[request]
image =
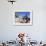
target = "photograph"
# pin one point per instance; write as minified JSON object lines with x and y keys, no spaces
{"x":23,"y":18}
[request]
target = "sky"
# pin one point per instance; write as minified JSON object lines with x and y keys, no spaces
{"x":23,"y":13}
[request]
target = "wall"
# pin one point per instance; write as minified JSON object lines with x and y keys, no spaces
{"x":9,"y":31}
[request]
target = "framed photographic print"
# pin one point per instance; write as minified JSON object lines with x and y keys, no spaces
{"x":23,"y":18}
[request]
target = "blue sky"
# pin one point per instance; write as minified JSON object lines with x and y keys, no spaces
{"x":23,"y":13}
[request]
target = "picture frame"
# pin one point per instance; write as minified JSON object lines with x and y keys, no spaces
{"x":22,"y":17}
